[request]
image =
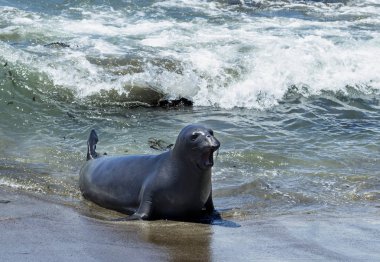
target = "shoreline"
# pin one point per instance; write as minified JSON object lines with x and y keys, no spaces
{"x":35,"y":229}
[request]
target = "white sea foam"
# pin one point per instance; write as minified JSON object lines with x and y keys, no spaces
{"x":245,"y":60}
{"x":16,"y":185}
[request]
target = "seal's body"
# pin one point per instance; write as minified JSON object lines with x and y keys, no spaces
{"x":173,"y":185}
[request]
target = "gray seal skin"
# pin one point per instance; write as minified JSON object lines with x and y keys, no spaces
{"x":173,"y":185}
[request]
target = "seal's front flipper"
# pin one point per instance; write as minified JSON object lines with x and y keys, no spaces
{"x":216,"y":219}
{"x":133,"y":217}
{"x":143,"y":212}
{"x":210,"y":210}
{"x":207,"y":217}
{"x":91,"y":145}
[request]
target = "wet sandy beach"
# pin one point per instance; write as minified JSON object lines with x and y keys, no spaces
{"x":33,"y":229}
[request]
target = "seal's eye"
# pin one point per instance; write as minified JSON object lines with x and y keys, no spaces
{"x":194,"y":136}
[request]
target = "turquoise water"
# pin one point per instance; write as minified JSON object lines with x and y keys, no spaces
{"x":291,"y":89}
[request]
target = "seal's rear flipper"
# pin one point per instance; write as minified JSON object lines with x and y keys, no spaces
{"x":91,"y":145}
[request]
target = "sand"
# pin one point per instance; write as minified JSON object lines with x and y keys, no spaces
{"x":34,"y":229}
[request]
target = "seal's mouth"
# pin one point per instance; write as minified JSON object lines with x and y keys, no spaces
{"x":207,"y":159}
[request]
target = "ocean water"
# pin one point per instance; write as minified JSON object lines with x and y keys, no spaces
{"x":290,"y":88}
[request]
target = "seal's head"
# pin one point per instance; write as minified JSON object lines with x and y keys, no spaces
{"x":197,"y":145}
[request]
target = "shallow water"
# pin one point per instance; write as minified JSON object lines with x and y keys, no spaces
{"x":291,"y":89}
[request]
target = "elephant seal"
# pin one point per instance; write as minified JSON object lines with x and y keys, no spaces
{"x":174,"y":185}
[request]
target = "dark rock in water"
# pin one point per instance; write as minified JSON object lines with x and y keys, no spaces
{"x":57,"y":44}
{"x":4,"y":201}
{"x":181,"y":102}
{"x":71,"y":115}
{"x":137,"y":96}
{"x":145,"y":95}
{"x":158,"y":144}
{"x":6,"y":63}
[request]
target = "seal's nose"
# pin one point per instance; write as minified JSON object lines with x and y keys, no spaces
{"x":214,"y":143}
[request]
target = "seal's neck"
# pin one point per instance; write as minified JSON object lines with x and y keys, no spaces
{"x":185,"y":165}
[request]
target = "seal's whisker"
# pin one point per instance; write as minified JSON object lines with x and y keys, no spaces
{"x":217,"y":153}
